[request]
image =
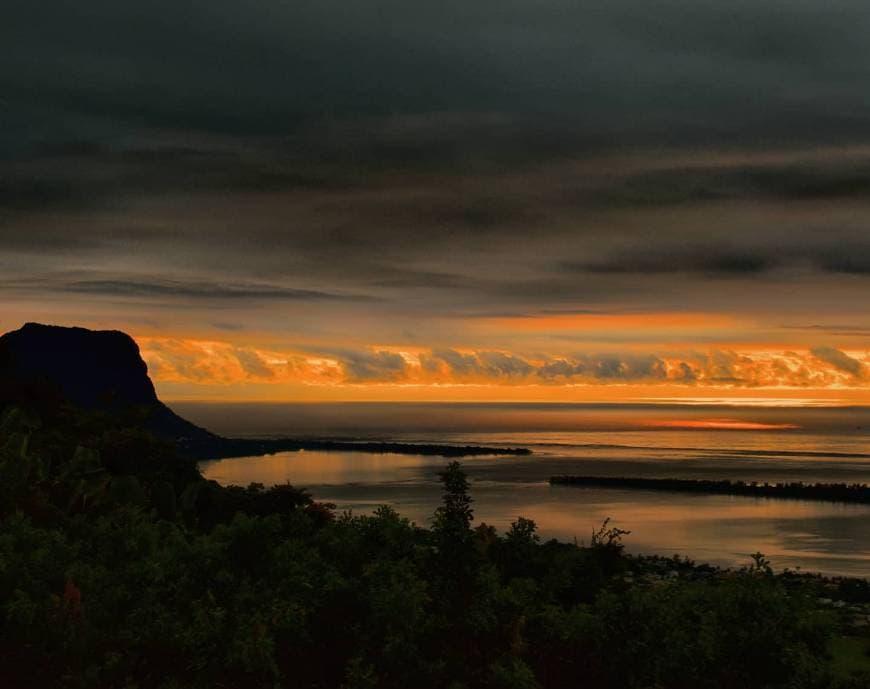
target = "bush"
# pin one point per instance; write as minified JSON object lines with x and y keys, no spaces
{"x":161,"y":579}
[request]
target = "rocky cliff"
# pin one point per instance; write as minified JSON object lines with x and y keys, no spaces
{"x":95,"y":370}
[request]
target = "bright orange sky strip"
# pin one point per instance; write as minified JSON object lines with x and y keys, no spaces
{"x":211,"y":369}
{"x":609,"y":322}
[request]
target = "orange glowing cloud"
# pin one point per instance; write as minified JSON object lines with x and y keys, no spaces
{"x":194,"y":362}
{"x":220,"y":363}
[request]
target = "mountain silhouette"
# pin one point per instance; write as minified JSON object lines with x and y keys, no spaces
{"x":92,"y":369}
{"x":95,"y":370}
{"x":103,"y":371}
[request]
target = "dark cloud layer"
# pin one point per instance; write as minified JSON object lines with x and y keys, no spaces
{"x":679,"y":69}
{"x":364,"y":366}
{"x":710,"y":258}
{"x":489,"y":365}
{"x":200,"y":290}
{"x":399,"y":162}
{"x":611,"y":367}
{"x":838,"y":360}
{"x":530,"y":237}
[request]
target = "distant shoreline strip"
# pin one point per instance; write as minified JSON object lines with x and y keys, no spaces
{"x":827,"y":492}
{"x":238,"y":447}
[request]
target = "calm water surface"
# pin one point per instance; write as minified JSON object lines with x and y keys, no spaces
{"x":817,"y":536}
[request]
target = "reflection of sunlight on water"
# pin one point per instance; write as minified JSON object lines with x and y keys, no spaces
{"x":313,"y":468}
{"x":674,"y":442}
{"x":436,"y":421}
{"x":721,"y":529}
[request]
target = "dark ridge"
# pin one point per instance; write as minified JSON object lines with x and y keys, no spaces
{"x":91,"y":369}
{"x":48,"y":366}
{"x":240,"y":447}
{"x":828,"y":492}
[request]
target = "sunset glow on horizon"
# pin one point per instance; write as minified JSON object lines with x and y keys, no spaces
{"x":226,"y":370}
{"x":721,"y":425}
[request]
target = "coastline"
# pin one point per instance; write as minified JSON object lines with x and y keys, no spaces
{"x":228,"y":448}
{"x":826,"y":492}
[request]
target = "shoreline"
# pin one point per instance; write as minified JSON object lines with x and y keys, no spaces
{"x":822,"y":492}
{"x":229,"y":448}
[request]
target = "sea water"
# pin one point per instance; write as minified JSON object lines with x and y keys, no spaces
{"x":761,"y":444}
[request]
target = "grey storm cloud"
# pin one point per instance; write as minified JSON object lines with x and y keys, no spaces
{"x":677,"y":259}
{"x":499,"y":365}
{"x":473,"y":157}
{"x":201,"y":290}
{"x":708,"y":257}
{"x":488,"y":364}
{"x":699,"y":184}
{"x":381,"y":236}
{"x":679,"y":68}
{"x":606,"y":367}
{"x":687,"y":373}
{"x":838,"y":360}
{"x":252,"y":363}
{"x":363,"y":366}
{"x":458,"y":363}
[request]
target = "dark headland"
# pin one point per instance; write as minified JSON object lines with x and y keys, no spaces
{"x":102,"y":371}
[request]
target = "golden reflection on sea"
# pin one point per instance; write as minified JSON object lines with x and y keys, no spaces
{"x":817,"y":536}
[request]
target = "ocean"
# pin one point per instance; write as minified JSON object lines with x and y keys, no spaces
{"x":748,"y":442}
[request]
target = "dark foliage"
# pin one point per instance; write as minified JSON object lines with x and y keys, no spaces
{"x":121,"y":567}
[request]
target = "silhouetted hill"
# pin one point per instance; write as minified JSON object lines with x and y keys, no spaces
{"x":92,"y":369}
{"x":102,"y":371}
{"x":95,"y":370}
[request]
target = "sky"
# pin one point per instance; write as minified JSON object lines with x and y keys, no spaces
{"x":533,"y":200}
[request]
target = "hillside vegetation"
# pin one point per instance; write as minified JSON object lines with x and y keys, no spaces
{"x":120,"y":566}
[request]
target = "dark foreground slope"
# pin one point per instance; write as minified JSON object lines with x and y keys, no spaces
{"x":102,"y":371}
{"x":120,"y":566}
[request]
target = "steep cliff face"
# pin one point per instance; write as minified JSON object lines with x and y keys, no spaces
{"x":93,"y":369}
{"x":96,"y":370}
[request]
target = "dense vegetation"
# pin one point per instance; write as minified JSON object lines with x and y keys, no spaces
{"x":121,"y":567}
{"x":797,"y":490}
